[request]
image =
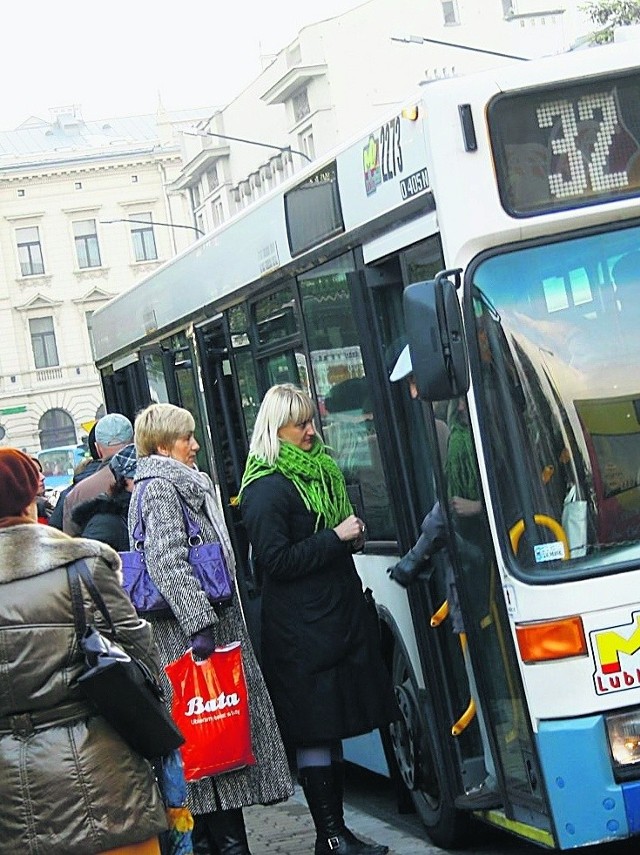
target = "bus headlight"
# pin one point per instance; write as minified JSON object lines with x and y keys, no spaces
{"x":624,"y":739}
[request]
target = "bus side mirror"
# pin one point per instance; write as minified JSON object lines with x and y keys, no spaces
{"x":437,"y":344}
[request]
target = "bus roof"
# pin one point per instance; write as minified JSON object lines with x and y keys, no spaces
{"x":256,"y":243}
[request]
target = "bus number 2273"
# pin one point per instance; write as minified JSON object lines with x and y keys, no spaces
{"x":390,"y":149}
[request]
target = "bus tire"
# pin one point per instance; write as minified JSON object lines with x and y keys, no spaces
{"x":418,"y":764}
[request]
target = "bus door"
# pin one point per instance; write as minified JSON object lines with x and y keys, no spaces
{"x":124,"y":387}
{"x":433,"y":693}
{"x":231,"y":399}
{"x":427,"y":443}
{"x":171,"y":378}
{"x":506,"y":737}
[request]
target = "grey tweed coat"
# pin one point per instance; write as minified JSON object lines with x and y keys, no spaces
{"x":165,"y":549}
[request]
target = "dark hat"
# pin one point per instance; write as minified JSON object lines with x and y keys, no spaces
{"x":114,"y":429}
{"x":91,"y":442}
{"x":123,"y":464}
{"x":19,"y":482}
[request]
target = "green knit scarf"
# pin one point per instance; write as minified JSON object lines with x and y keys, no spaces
{"x":460,"y":466}
{"x":315,"y":476}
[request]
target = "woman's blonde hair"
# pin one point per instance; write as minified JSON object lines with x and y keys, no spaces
{"x":282,"y":404}
{"x":160,"y":425}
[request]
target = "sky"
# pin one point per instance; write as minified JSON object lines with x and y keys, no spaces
{"x":119,"y":58}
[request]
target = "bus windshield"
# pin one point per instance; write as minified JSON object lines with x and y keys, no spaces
{"x":558,"y":349}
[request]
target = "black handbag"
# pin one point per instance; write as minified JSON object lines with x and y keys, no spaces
{"x":121,"y":688}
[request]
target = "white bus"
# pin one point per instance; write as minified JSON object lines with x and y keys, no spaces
{"x":504,"y":210}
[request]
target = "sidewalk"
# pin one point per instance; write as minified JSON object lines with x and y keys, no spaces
{"x":287,"y":829}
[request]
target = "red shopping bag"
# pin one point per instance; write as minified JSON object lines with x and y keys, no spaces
{"x":211,"y":708}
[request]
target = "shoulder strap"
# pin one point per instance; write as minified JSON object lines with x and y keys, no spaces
{"x":77,"y":572}
{"x":192,"y":527}
{"x":138,"y":529}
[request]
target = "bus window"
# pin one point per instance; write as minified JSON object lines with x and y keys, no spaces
{"x":245,"y":370}
{"x":418,"y":262}
{"x":288,"y":367}
{"x":423,"y":261}
{"x":551,"y":333}
{"x":275,"y":317}
{"x":346,"y":416}
{"x":154,"y":370}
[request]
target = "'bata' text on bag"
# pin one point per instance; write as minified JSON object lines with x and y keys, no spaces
{"x":198,"y":705}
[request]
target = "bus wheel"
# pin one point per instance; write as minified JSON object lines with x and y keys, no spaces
{"x":417,"y":765}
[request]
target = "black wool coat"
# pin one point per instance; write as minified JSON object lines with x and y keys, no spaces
{"x":104,"y":518}
{"x":320,"y":653}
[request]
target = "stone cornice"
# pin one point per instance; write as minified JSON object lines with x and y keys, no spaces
{"x":41,"y":172}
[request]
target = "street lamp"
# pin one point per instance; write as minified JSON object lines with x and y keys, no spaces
{"x":197,"y":132}
{"x":420,"y":40}
{"x":155,"y":223}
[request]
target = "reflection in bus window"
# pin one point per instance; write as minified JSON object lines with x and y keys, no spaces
{"x":275,"y":317}
{"x":560,"y":390}
{"x":154,"y":370}
{"x":347,"y":422}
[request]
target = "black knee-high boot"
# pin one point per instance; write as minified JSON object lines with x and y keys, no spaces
{"x":226,"y":828}
{"x":325,"y":804}
{"x":200,"y":839}
{"x":221,"y":832}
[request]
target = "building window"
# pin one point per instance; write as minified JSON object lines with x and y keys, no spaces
{"x":56,"y":428}
{"x":43,"y":342}
{"x":450,"y":11}
{"x":144,"y":242}
{"x":212,"y":178}
{"x":217,"y":210}
{"x":86,"y":238}
{"x":300,"y":103}
{"x":306,"y":143}
{"x":29,"y":251}
{"x":78,"y":185}
{"x":200,"y":223}
{"x":20,"y":192}
{"x":196,"y":199}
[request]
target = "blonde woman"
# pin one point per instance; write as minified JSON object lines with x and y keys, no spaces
{"x":166,"y":449}
{"x":320,"y":657}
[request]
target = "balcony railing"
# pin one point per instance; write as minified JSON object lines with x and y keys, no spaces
{"x":49,"y":378}
{"x":46,"y":375}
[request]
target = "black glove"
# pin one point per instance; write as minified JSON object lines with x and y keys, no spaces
{"x":415,"y":564}
{"x":410,"y":567}
{"x":203,"y":644}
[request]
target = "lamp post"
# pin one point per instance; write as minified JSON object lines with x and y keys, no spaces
{"x":197,"y":132}
{"x":420,"y":40}
{"x":155,"y":223}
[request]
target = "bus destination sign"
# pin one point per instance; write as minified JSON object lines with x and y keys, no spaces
{"x":567,"y":147}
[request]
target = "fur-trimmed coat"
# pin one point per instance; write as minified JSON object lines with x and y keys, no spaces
{"x":165,"y":548}
{"x":69,"y":785}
